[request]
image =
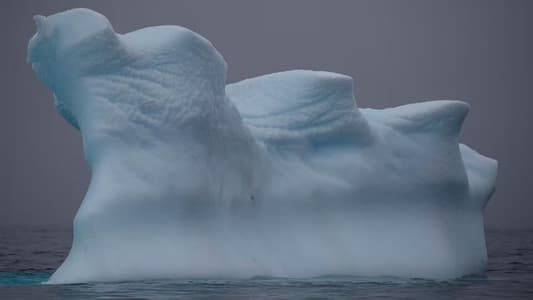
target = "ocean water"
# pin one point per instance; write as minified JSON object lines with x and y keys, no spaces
{"x":28,"y":256}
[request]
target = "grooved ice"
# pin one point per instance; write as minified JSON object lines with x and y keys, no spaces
{"x":279,"y":175}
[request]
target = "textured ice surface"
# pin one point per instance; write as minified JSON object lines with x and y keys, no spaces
{"x":279,"y":175}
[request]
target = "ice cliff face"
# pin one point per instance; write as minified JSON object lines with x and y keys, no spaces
{"x":279,"y":175}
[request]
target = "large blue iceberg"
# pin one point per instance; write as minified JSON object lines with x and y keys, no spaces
{"x":278,"y":175}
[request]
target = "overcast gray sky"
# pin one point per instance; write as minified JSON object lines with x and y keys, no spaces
{"x":398,"y":52}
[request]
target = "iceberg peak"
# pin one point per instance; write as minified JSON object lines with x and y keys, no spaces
{"x":440,"y":116}
{"x":300,"y":105}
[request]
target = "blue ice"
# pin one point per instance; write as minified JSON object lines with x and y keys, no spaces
{"x":278,"y":175}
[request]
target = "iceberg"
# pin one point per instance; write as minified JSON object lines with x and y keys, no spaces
{"x":280,"y":175}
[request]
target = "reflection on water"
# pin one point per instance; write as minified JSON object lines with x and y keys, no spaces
{"x":30,"y":256}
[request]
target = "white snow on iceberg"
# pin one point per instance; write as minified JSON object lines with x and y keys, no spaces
{"x":279,"y":175}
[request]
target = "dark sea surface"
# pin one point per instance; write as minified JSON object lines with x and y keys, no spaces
{"x":29,"y":256}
